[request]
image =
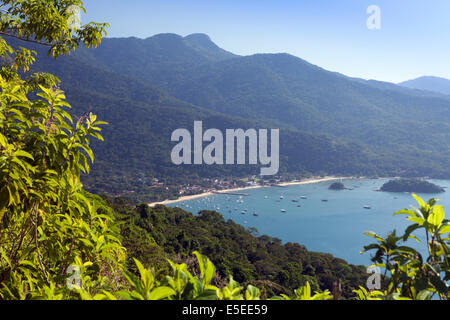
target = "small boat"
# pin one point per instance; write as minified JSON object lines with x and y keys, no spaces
{"x":255,"y":214}
{"x":283,"y":210}
{"x":367,"y":207}
{"x":266,"y":197}
{"x":298,"y":206}
{"x":242,"y":212}
{"x":324,"y":200}
{"x":281,"y":197}
{"x":303,"y":197}
{"x":294,"y":200}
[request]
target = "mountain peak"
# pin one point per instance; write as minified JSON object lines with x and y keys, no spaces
{"x":200,"y":37}
{"x":203,"y":43}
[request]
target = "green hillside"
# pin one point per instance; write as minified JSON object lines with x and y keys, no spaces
{"x":153,"y":235}
{"x":330,"y":124}
{"x":289,"y":92}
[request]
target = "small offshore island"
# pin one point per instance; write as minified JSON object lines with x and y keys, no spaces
{"x":411,"y":185}
{"x":337,"y":186}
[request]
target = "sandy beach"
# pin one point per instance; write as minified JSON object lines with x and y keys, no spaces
{"x":283,"y":184}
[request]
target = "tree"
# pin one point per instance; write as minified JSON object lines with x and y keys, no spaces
{"x":47,"y":224}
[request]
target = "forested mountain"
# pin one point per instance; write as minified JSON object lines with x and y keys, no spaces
{"x":280,"y":88}
{"x":330,"y":123}
{"x":286,"y":91}
{"x":434,"y":84}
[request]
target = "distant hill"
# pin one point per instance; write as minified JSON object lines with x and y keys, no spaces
{"x":435,"y":84}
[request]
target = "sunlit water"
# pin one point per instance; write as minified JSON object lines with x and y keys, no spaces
{"x":335,"y":226}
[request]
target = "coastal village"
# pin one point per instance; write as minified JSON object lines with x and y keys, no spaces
{"x":186,"y":192}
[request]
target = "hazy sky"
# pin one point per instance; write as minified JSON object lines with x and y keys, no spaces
{"x":414,"y":39}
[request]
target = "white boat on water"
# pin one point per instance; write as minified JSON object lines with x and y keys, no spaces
{"x":367,"y":207}
{"x":303,"y":197}
{"x":281,"y":197}
{"x":283,"y":210}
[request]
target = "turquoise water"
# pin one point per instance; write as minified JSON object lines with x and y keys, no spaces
{"x":335,"y":226}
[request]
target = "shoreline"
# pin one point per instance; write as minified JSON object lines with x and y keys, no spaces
{"x":283,"y":184}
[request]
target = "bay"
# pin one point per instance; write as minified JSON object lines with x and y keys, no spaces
{"x":334,"y":226}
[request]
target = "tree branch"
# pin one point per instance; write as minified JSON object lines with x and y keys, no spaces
{"x":25,"y":39}
{"x":36,"y":242}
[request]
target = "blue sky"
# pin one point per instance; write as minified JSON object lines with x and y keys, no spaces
{"x":414,"y":39}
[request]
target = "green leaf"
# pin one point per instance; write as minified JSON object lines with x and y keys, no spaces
{"x":424,"y":295}
{"x":252,"y":293}
{"x":22,"y":153}
{"x":419,"y":200}
{"x":445,"y":229}
{"x":160,"y":293}
{"x":207,"y":268}
{"x":410,"y":229}
{"x":374,"y":235}
{"x":437,"y":216}
{"x":3,"y":141}
{"x":419,"y":221}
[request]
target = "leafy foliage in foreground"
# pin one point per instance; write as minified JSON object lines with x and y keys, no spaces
{"x":411,"y":275}
{"x":46,"y":222}
{"x":182,"y":285}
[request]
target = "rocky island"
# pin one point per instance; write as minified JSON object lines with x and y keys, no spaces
{"x":411,"y":185}
{"x":337,"y":186}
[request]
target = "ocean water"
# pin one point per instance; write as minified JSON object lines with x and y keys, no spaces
{"x":335,"y":226}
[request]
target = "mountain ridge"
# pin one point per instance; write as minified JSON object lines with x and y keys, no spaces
{"x":429,"y":83}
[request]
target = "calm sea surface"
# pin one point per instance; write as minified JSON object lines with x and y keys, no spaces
{"x":335,"y":226}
